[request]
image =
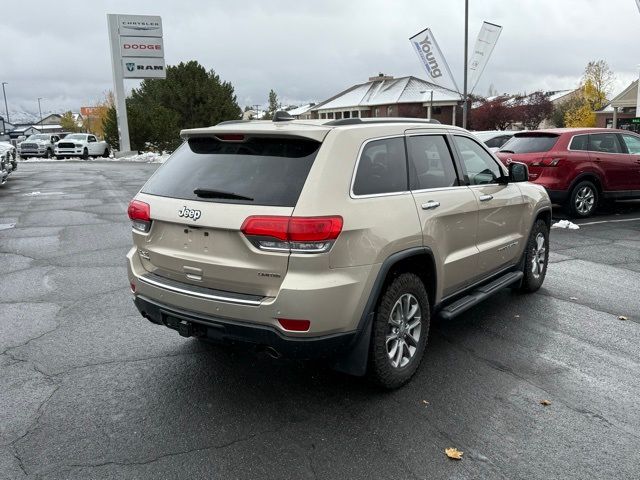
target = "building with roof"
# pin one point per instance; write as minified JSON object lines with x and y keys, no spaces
{"x":386,"y":96}
{"x":621,"y":111}
{"x":303,"y":112}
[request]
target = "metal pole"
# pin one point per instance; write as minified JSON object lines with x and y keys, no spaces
{"x":466,"y":53}
{"x":40,"y":110}
{"x":6,"y":109}
{"x":118,"y":84}
{"x":431,"y":106}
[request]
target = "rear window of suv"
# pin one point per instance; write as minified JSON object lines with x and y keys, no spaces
{"x":257,"y":171}
{"x":530,"y":143}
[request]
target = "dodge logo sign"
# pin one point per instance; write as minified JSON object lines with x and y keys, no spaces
{"x":140,"y":46}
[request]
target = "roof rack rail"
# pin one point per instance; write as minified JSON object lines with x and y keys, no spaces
{"x":360,"y":121}
{"x":229,"y":122}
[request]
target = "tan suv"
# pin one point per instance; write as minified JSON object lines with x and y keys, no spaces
{"x":335,"y":239}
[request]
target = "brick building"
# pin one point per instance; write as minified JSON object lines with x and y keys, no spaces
{"x":621,"y":111}
{"x":386,"y":96}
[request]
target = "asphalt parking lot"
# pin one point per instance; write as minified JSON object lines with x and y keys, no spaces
{"x":89,"y":389}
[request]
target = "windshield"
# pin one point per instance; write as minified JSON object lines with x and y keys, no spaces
{"x":530,"y":143}
{"x":75,"y":136}
{"x":257,"y":171}
{"x":38,"y":137}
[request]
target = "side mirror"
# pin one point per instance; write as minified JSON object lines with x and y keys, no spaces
{"x":518,"y":172}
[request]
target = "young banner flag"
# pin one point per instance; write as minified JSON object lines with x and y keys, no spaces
{"x":487,"y":39}
{"x":433,"y":61}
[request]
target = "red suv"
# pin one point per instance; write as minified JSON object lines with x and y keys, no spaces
{"x":579,"y":166}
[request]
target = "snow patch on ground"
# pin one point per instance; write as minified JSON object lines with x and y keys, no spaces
{"x":146,"y":157}
{"x":565,"y":224}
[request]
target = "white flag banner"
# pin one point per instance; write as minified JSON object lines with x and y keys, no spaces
{"x":434,"y":63}
{"x":486,"y":41}
{"x":638,"y":3}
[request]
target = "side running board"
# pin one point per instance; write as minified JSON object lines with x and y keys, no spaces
{"x":479,"y":294}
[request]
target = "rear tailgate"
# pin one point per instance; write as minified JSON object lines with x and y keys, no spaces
{"x":531,"y":148}
{"x":194,"y":237}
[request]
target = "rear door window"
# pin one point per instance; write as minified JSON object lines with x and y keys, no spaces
{"x":430,"y":162}
{"x":382,"y":168}
{"x":605,"y":143}
{"x":257,"y":171}
{"x":530,"y":143}
{"x":497,"y":142}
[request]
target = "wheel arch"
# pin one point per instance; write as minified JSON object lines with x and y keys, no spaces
{"x":418,"y":260}
{"x":590,"y":176}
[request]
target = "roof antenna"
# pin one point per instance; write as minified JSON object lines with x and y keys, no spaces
{"x":282,"y":116}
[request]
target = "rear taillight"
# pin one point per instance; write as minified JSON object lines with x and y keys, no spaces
{"x":140,"y":215}
{"x":547,"y":162}
{"x":292,"y":234}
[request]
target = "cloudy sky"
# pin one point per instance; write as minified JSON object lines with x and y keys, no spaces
{"x":311,"y":49}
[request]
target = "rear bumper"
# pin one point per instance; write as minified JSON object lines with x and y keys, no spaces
{"x":228,"y":331}
{"x":558,"y":196}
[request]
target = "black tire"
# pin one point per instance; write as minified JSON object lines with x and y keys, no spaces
{"x":583,"y":200}
{"x":382,"y":370}
{"x":59,"y":157}
{"x":85,"y":154}
{"x":535,"y":260}
{"x":106,"y":153}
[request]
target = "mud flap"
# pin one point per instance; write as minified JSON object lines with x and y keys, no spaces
{"x":356,"y":360}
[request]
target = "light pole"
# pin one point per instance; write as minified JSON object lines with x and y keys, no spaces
{"x":430,"y":109}
{"x":40,"y":110}
{"x":466,"y":53}
{"x":6,"y":109}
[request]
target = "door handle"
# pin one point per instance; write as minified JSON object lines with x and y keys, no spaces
{"x":486,"y":198}
{"x":430,"y":205}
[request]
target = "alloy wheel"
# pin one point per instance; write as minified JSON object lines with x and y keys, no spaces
{"x":538,"y":256}
{"x":405,"y":326}
{"x":585,"y":200}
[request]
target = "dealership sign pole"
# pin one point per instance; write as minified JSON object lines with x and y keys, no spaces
{"x":137,"y":51}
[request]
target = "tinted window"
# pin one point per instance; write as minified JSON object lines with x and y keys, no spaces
{"x":480,"y":166}
{"x":497,"y":142}
{"x":580,"y":142}
{"x":270,"y":171}
{"x":430,"y":162}
{"x":632,"y":143}
{"x":92,"y":138}
{"x":604,"y":142}
{"x":530,"y":143}
{"x":382,"y":168}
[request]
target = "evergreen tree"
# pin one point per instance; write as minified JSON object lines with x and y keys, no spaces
{"x":273,"y":105}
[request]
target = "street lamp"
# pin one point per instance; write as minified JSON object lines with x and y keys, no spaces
{"x":430,"y":109}
{"x":6,"y":109}
{"x":40,"y":110}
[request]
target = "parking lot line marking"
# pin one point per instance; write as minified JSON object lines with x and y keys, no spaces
{"x":610,"y":221}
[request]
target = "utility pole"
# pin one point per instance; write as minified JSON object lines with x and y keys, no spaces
{"x":6,"y":109}
{"x":40,"y":110}
{"x":466,"y":60}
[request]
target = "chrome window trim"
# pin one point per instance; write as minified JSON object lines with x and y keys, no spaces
{"x":440,"y":189}
{"x":355,"y":170}
{"x":218,"y":298}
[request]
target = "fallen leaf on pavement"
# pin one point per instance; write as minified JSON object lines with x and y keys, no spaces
{"x":622,"y":317}
{"x":573,"y":298}
{"x":425,"y":402}
{"x":453,"y":453}
{"x":545,"y":402}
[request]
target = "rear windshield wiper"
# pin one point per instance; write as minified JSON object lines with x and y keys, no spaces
{"x":208,"y":193}
{"x":506,"y":151}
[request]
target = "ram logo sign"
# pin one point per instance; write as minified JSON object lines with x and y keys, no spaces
{"x":142,"y":67}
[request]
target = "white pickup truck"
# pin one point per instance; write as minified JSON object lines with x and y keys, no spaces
{"x":81,"y":145}
{"x":38,"y":145}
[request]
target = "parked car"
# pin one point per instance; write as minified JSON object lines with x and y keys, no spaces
{"x":4,"y":174}
{"x":81,"y":145}
{"x":38,"y":145}
{"x":495,"y":139}
{"x":8,"y":153}
{"x":579,"y":167}
{"x":332,"y":240}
